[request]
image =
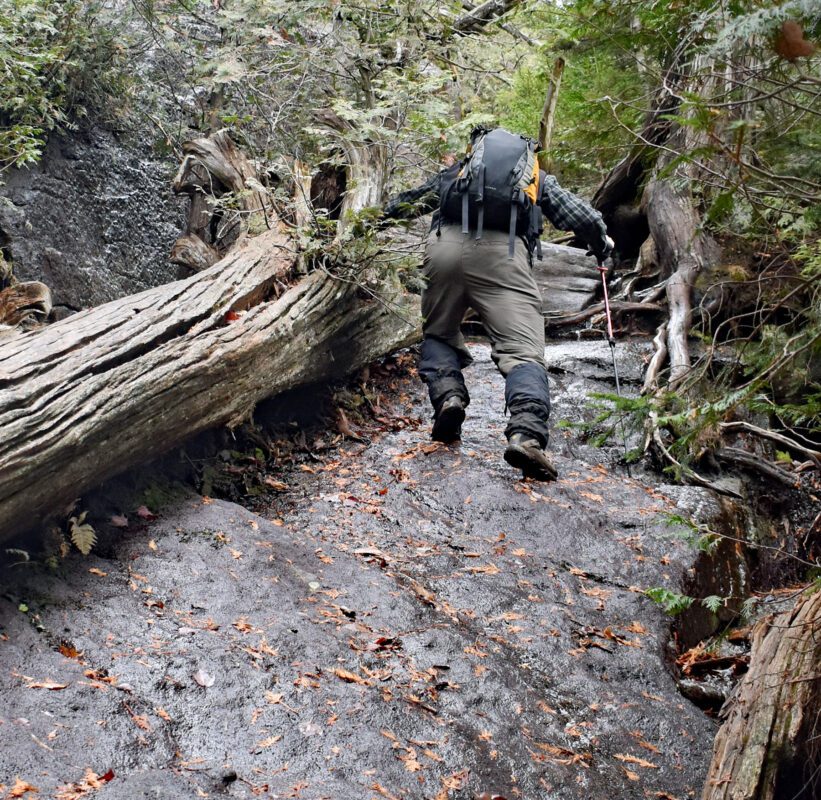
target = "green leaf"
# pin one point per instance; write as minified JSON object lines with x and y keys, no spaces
{"x":713,"y":603}
{"x":672,"y":602}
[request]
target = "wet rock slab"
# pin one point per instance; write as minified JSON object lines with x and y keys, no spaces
{"x":409,"y":621}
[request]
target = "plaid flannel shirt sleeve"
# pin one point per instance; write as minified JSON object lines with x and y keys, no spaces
{"x":414,"y":202}
{"x":568,"y":212}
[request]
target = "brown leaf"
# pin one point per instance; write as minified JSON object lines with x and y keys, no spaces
{"x":119,"y":521}
{"x":270,"y":741}
{"x":350,"y":677}
{"x":628,"y":759}
{"x":69,"y":651}
{"x":143,"y":513}
{"x":140,"y":720}
{"x":790,"y":42}
{"x":21,"y":788}
{"x":383,"y":792}
{"x":95,"y":571}
{"x":596,"y":497}
{"x":52,"y":686}
{"x":484,"y":569}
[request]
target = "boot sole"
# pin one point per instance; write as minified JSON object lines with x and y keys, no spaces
{"x":448,"y":425}
{"x":519,"y":458}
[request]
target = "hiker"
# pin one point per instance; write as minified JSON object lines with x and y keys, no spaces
{"x":487,"y":219}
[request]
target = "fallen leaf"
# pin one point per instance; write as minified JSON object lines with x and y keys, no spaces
{"x":628,"y":759}
{"x":50,"y":685}
{"x":631,"y":776}
{"x":350,"y":677}
{"x":69,"y":651}
{"x":21,"y":788}
{"x":590,"y":496}
{"x":383,"y":792}
{"x":143,"y":513}
{"x":265,"y":743}
{"x":203,"y":678}
{"x":119,"y":521}
{"x":95,"y":571}
{"x":484,"y":569}
{"x":140,"y":720}
{"x":162,"y":713}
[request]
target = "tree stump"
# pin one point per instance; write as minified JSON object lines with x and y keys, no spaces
{"x":769,"y":747}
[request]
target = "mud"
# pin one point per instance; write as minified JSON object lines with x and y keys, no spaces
{"x":407,"y":620}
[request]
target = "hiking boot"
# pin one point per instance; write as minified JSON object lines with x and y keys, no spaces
{"x":525,"y":453}
{"x":447,"y":427}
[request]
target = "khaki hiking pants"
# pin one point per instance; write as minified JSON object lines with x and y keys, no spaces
{"x":462,"y":272}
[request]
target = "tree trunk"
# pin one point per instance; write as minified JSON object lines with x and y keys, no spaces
{"x":549,"y":112}
{"x":683,"y":251}
{"x":768,"y":747}
{"x":212,"y":168}
{"x":88,"y":397}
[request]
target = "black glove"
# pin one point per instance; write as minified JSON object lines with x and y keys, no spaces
{"x":602,"y":249}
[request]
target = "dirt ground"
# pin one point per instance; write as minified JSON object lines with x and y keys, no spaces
{"x":407,"y":620}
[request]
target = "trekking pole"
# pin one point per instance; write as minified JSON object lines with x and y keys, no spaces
{"x":611,"y":340}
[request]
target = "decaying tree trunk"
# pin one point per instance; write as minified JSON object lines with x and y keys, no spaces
{"x":88,"y":397}
{"x":769,"y":747}
{"x":213,"y":168}
{"x":30,"y":300}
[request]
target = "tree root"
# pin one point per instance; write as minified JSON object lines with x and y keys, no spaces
{"x":690,"y":474}
{"x":778,"y":438}
{"x":751,"y":461}
{"x":655,"y":365}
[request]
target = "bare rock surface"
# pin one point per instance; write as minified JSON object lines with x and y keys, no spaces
{"x":407,"y":620}
{"x":94,"y":219}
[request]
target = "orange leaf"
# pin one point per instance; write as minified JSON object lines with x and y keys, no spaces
{"x":21,"y":787}
{"x":50,"y":685}
{"x":350,"y":677}
{"x":635,"y":760}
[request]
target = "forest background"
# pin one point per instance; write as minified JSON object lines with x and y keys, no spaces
{"x":717,"y":99}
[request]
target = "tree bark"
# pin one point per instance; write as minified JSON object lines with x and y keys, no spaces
{"x":30,"y":300}
{"x":88,"y":397}
{"x":213,"y":167}
{"x":483,"y":14}
{"x":768,"y":747}
{"x":549,"y":111}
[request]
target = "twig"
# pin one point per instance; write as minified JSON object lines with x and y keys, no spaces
{"x":687,"y":472}
{"x":743,"y":458}
{"x":764,"y":433}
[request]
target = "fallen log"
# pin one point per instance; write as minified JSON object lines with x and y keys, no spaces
{"x":90,"y":396}
{"x":768,"y":747}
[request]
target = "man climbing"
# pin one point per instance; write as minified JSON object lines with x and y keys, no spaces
{"x":486,"y":225}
